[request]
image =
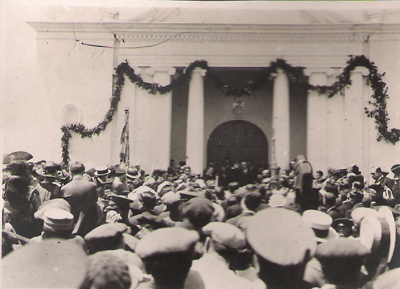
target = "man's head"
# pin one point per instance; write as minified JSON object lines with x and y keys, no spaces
{"x":167,"y":254}
{"x":355,"y":196}
{"x":102,"y":173}
{"x":224,"y":239}
{"x":252,"y":200}
{"x":106,"y":237}
{"x":148,"y":199}
{"x":283,"y":244}
{"x":396,"y":170}
{"x":77,"y":168}
{"x":378,"y":172}
{"x":57,"y":223}
{"x":106,"y":270}
{"x":341,"y":261}
{"x":199,"y":211}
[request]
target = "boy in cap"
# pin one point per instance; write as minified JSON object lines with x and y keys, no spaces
{"x":223,"y":244}
{"x":283,"y":244}
{"x":167,"y":254}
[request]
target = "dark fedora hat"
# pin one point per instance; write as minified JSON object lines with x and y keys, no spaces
{"x":395,"y":169}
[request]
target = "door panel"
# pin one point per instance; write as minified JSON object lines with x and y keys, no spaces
{"x":237,"y":140}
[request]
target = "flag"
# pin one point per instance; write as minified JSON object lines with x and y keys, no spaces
{"x":124,"y":141}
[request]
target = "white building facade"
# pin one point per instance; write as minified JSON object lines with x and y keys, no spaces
{"x":197,"y":122}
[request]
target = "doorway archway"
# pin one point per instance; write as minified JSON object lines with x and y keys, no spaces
{"x":237,"y":141}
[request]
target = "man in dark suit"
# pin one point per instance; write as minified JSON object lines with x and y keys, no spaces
{"x":246,"y":175}
{"x":82,"y":197}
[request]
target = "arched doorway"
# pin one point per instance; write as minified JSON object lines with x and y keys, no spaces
{"x":237,"y":141}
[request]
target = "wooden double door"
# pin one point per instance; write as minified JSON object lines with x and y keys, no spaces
{"x":237,"y":141}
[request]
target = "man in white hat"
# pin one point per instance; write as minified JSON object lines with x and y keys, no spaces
{"x":320,"y":223}
{"x":223,"y":244}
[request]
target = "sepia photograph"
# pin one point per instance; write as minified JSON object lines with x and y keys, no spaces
{"x":200,"y":144}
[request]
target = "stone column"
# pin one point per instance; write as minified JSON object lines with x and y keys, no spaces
{"x":195,"y":150}
{"x":162,"y":117}
{"x":335,"y":123}
{"x":354,"y":119}
{"x":142,"y":118}
{"x":281,"y":121}
{"x":317,"y":131}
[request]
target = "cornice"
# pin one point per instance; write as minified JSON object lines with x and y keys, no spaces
{"x":252,"y":61}
{"x":189,"y":32}
{"x":238,"y":37}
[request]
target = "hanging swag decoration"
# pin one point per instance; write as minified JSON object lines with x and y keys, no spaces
{"x":295,"y":74}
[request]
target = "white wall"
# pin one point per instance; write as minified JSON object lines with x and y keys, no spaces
{"x":41,"y":76}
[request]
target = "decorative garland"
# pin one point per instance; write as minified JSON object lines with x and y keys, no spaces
{"x":295,"y":74}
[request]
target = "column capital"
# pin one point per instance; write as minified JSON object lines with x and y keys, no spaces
{"x":319,"y":70}
{"x":361,"y":69}
{"x":199,"y":70}
{"x":168,"y":69}
{"x":150,"y":71}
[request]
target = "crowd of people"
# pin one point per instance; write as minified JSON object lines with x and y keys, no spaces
{"x":234,"y":226}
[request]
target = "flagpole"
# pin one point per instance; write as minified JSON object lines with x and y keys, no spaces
{"x":127,"y":150}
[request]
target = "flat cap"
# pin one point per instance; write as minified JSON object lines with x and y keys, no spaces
{"x":105,"y":237}
{"x":280,"y":236}
{"x":52,"y":204}
{"x":163,"y":185}
{"x":198,"y":207}
{"x":166,"y":240}
{"x":52,"y":263}
{"x":341,"y":248}
{"x":170,"y":198}
{"x":58,"y":220}
{"x":105,"y":231}
{"x":225,"y":234}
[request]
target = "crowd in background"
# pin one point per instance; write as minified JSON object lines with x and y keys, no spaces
{"x":234,"y":226}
